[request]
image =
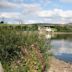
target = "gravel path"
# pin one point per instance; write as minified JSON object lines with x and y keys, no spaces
{"x":59,"y":66}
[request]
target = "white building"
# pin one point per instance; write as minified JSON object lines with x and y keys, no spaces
{"x":48,"y":29}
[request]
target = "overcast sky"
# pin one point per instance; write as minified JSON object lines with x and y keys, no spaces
{"x":36,"y":11}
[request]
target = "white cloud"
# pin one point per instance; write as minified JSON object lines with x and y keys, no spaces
{"x":9,"y":14}
{"x":47,"y":16}
{"x":30,"y":11}
{"x":55,"y":12}
{"x":55,"y":15}
{"x":32,"y":7}
{"x":45,"y":13}
{"x":19,"y":3}
{"x":45,"y":1}
{"x":66,"y":1}
{"x":30,"y":21}
{"x":6,"y":4}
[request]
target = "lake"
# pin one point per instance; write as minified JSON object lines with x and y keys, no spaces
{"x":61,"y":46}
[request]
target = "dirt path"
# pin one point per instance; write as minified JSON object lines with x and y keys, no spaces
{"x":1,"y":68}
{"x":59,"y":66}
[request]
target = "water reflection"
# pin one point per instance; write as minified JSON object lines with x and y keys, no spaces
{"x":61,"y":46}
{"x":49,"y":36}
{"x":66,"y":57}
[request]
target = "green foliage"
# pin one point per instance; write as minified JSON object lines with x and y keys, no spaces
{"x":16,"y":52}
{"x":1,"y":22}
{"x":67,"y":28}
{"x":9,"y":41}
{"x":33,"y":27}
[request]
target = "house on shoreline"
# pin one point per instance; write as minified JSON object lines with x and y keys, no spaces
{"x":45,"y":29}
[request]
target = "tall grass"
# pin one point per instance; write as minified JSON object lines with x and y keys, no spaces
{"x":21,"y":51}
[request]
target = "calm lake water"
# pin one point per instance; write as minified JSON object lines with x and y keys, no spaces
{"x":61,"y":46}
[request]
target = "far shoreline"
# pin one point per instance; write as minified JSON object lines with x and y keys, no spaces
{"x":61,"y":32}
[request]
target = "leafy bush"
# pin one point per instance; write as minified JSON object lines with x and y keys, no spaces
{"x":21,"y":51}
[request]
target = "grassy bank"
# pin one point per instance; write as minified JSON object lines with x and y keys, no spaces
{"x":20,"y":27}
{"x":22,"y":51}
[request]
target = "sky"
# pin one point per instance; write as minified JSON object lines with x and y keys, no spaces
{"x":36,"y":11}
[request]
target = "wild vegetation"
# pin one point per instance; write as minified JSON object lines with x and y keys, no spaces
{"x":21,"y":27}
{"x":63,"y":36}
{"x":22,"y":50}
{"x":62,"y":28}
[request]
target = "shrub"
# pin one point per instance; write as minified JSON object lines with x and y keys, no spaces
{"x":21,"y":51}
